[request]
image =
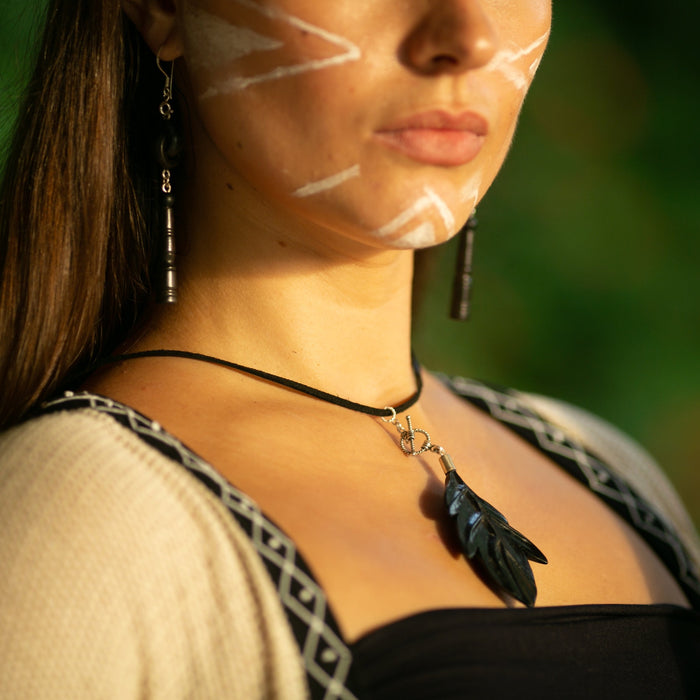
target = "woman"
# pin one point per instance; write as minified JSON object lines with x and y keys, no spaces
{"x":324,"y":143}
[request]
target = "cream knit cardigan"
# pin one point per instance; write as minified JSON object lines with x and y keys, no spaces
{"x":124,"y":577}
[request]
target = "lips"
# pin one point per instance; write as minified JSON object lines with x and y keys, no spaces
{"x":437,"y":137}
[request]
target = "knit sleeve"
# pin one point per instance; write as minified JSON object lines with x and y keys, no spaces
{"x":122,"y":577}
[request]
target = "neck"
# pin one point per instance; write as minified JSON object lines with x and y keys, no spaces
{"x":261,"y":293}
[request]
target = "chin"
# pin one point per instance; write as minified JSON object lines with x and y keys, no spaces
{"x":424,"y":236}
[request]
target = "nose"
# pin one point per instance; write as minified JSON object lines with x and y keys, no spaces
{"x":451,"y":37}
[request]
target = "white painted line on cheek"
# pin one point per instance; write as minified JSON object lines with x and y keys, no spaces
{"x":216,"y":42}
{"x":328,"y":183}
{"x":529,"y":49}
{"x":447,"y":217}
{"x":350,"y":52}
{"x":425,"y":233}
{"x":422,"y":237}
{"x":504,"y":60}
{"x":471,"y":190}
{"x":533,"y":67}
{"x":403,"y":218}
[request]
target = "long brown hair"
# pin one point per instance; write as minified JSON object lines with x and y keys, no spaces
{"x":74,"y":254}
{"x":76,"y":205}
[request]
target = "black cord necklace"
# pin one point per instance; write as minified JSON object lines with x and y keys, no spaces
{"x":498,"y":552}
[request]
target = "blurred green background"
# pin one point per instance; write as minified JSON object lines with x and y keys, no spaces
{"x":588,"y":255}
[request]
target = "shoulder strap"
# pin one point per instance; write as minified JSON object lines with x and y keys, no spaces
{"x":326,"y":657}
{"x":586,"y":464}
{"x":515,"y":411}
{"x":632,"y":462}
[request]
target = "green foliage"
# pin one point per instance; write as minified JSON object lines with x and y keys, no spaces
{"x":587,"y":254}
{"x":18,"y":24}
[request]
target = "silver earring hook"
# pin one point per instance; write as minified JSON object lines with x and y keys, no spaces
{"x":166,"y":108}
{"x":169,"y":78}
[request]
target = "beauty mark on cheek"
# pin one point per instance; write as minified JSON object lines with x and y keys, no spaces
{"x":328,"y":183}
{"x":425,"y":233}
{"x":226,"y":42}
{"x":505,"y":62}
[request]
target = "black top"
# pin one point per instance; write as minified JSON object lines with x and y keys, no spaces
{"x":582,"y":651}
{"x":603,"y":651}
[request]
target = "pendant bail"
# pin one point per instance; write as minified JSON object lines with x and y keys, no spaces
{"x":447,"y":464}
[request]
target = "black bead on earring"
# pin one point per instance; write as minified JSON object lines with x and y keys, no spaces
{"x":168,"y":156}
{"x":462,"y":284}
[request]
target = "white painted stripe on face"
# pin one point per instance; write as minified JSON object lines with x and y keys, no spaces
{"x":534,"y":66}
{"x":447,"y":217}
{"x":422,"y":237}
{"x":219,"y":42}
{"x":504,"y":60}
{"x":328,"y":183}
{"x":349,"y":52}
{"x":404,"y":217}
{"x":471,"y":190}
{"x":425,"y":233}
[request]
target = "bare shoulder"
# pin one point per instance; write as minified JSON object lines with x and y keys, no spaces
{"x":624,"y":455}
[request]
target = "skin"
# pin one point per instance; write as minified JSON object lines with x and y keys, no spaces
{"x":296,"y":228}
{"x":354,"y":84}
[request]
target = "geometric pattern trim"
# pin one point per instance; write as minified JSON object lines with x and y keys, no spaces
{"x":591,"y":471}
{"x":326,"y":657}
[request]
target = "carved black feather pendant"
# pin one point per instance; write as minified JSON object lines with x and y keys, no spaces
{"x":498,"y":550}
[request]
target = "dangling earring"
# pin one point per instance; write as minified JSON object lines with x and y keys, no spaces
{"x":462,"y":284}
{"x":167,"y":154}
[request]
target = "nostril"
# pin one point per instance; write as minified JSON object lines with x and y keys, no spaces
{"x":450,"y":39}
{"x":445,"y":59}
{"x":442,"y":63}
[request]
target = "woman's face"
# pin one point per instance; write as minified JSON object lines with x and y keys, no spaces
{"x":382,"y":120}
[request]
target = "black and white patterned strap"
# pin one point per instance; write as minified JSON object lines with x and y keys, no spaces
{"x":326,"y":657}
{"x":591,"y":471}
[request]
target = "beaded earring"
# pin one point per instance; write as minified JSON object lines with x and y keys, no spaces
{"x":168,"y":156}
{"x":462,"y":284}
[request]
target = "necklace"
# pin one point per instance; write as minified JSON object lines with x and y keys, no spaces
{"x":497,"y":552}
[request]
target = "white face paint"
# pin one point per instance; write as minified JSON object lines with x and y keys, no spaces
{"x":219,"y":42}
{"x":506,"y":60}
{"x":471,"y":191}
{"x":293,"y":112}
{"x":533,"y":67}
{"x":227,"y":42}
{"x":425,"y":232}
{"x":328,"y":183}
{"x":422,"y":237}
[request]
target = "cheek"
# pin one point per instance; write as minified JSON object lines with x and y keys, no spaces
{"x":425,"y":222}
{"x":518,"y":65}
{"x":213,"y":42}
{"x":262,"y":80}
{"x":250,"y":44}
{"x":269,"y":105}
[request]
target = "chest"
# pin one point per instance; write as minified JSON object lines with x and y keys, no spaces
{"x":372,"y":524}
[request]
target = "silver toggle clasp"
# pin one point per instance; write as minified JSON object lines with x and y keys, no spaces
{"x":408,"y":435}
{"x":408,"y":438}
